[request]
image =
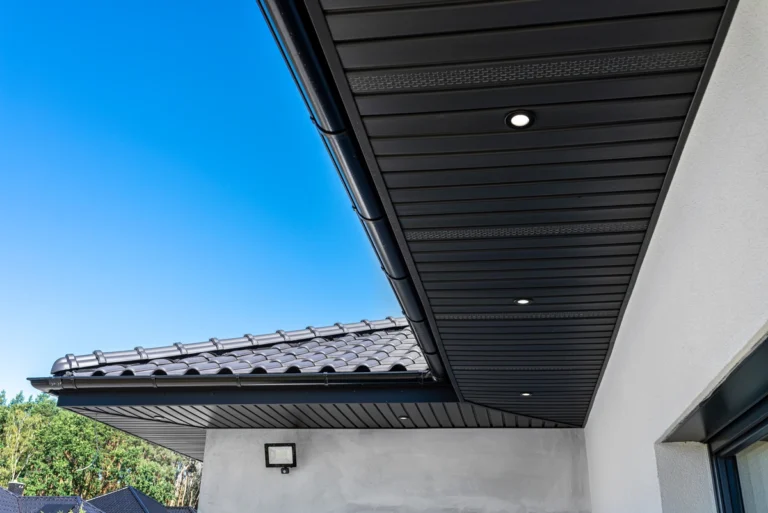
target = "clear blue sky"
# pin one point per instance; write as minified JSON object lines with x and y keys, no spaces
{"x":160,"y":181}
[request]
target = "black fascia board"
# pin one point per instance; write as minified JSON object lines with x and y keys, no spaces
{"x":350,"y":394}
{"x":248,"y":388}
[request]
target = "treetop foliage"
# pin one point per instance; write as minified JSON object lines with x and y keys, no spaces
{"x":57,"y":452}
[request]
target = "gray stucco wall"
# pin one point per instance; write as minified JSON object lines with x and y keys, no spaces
{"x":403,"y":471}
{"x":701,"y":299}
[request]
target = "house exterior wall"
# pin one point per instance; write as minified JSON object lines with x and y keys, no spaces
{"x":404,"y":471}
{"x":701,"y":299}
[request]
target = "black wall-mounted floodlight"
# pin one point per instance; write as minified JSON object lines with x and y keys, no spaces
{"x":280,"y":455}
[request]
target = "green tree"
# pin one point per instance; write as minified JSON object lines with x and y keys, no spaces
{"x":19,"y":429}
{"x":57,"y":452}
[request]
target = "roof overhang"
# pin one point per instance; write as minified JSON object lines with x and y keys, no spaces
{"x":176,"y":412}
{"x":468,"y":214}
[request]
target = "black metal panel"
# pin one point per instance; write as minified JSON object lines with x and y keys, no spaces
{"x":528,"y":42}
{"x":527,"y":174}
{"x":463,"y":17}
{"x":619,"y":151}
{"x":528,"y":139}
{"x":485,"y":214}
{"x":187,"y":440}
{"x":182,"y":428}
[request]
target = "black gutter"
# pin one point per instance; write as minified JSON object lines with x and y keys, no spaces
{"x":287,"y":26}
{"x":432,"y":392}
{"x":56,"y":384}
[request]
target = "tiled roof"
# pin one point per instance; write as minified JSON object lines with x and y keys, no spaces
{"x":10,"y":503}
{"x":125,"y":500}
{"x":128,"y":500}
{"x":378,"y":346}
{"x":32,"y":504}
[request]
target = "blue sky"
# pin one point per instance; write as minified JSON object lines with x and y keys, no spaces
{"x":159,"y":182}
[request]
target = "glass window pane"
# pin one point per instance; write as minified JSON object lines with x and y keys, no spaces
{"x":753,"y":477}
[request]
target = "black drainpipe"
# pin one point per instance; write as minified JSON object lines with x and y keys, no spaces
{"x":286,"y":25}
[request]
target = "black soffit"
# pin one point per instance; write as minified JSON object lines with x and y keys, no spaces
{"x":469,"y":214}
{"x":182,"y":427}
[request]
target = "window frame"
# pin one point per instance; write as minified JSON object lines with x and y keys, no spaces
{"x":737,"y":436}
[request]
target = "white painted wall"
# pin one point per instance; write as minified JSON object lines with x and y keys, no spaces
{"x":403,"y":471}
{"x":701,"y":299}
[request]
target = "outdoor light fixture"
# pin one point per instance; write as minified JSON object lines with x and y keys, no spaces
{"x":526,"y":394}
{"x":519,"y":119}
{"x":280,"y":455}
{"x":523,"y":301}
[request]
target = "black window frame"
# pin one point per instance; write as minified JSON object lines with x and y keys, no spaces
{"x":737,"y":436}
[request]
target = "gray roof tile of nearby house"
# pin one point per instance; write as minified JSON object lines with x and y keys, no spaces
{"x":378,"y":346}
{"x":32,"y":504}
{"x":128,"y":500}
{"x":125,"y":500}
{"x":11,"y":503}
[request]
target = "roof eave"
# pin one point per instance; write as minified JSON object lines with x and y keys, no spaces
{"x":55,"y":384}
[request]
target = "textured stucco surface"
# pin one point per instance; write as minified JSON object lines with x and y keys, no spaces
{"x":701,"y":297}
{"x":403,"y":471}
{"x":685,"y":478}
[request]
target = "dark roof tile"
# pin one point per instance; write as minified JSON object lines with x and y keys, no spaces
{"x":125,"y":500}
{"x":376,"y":346}
{"x":9,"y":503}
{"x":128,"y":500}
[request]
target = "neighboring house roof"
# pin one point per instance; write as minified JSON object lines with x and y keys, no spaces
{"x":33,"y":504}
{"x":11,"y":503}
{"x":379,"y":346}
{"x":128,"y":500}
{"x":125,"y":500}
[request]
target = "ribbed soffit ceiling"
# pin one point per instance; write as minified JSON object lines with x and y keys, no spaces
{"x":486,"y":214}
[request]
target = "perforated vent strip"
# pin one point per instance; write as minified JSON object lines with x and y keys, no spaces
{"x":522,"y":316}
{"x":528,"y":368}
{"x":526,"y":231}
{"x":490,"y":75}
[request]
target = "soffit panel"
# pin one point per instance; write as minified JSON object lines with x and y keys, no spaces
{"x":557,"y":212}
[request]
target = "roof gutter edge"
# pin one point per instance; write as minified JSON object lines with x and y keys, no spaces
{"x":54,"y":384}
{"x":287,"y":27}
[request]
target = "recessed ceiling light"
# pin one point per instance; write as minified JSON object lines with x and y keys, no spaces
{"x":403,"y":417}
{"x":519,"y":119}
{"x":523,"y":301}
{"x":158,"y":417}
{"x":526,"y":394}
